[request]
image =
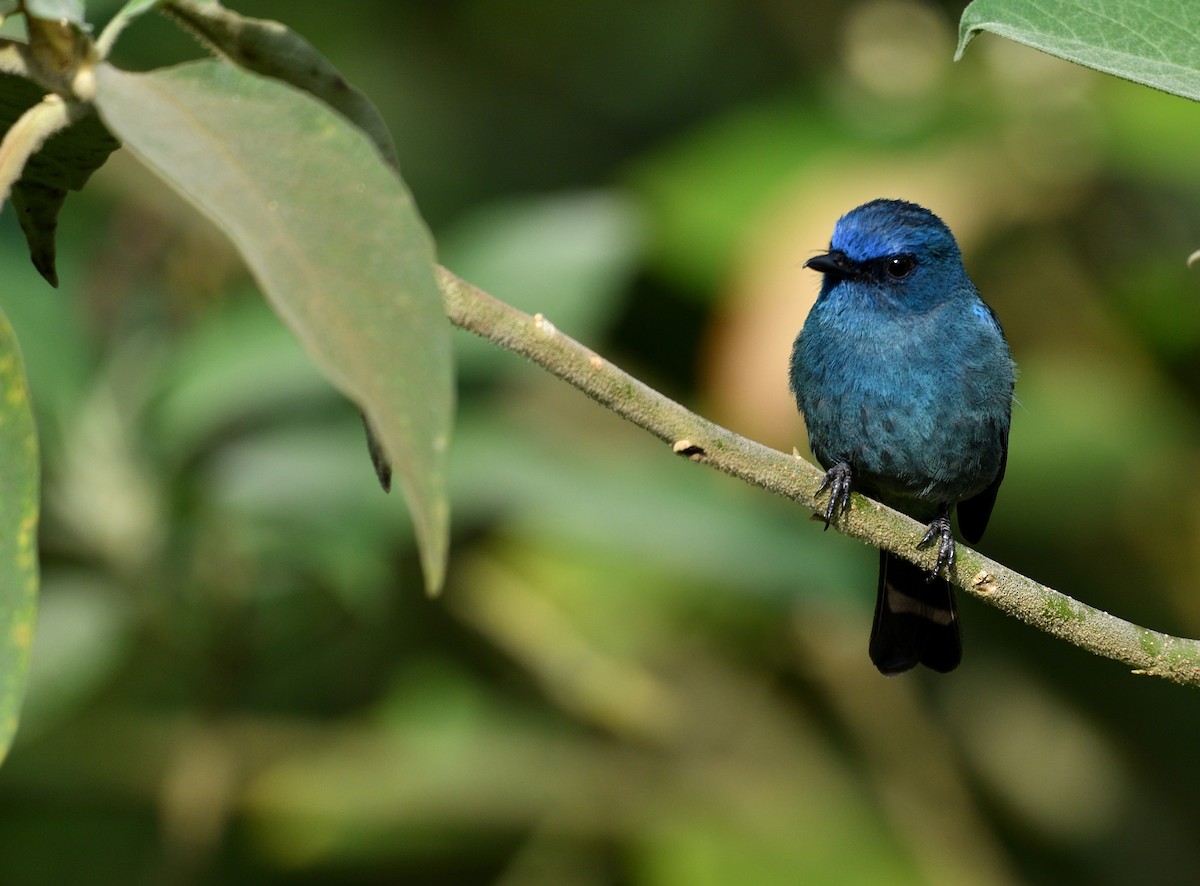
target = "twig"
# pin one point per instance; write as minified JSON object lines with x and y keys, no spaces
{"x":1145,"y":651}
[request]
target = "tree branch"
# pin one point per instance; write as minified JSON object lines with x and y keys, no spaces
{"x":1147,"y":652}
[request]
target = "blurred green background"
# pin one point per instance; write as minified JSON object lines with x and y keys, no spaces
{"x":641,"y":672}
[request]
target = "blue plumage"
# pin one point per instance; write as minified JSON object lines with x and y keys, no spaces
{"x":905,"y":381}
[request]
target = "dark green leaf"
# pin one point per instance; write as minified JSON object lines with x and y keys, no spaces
{"x":1155,"y":42}
{"x":333,"y":238}
{"x":37,"y":207}
{"x":64,"y":163}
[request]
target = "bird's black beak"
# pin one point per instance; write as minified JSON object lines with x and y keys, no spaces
{"x":834,"y":262}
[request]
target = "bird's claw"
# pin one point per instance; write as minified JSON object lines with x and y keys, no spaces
{"x":940,"y":529}
{"x":837,"y":481}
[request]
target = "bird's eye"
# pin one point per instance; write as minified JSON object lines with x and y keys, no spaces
{"x":900,"y":266}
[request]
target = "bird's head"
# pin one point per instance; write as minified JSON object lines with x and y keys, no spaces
{"x":894,"y":246}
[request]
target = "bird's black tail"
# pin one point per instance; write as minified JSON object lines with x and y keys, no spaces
{"x":916,"y":621}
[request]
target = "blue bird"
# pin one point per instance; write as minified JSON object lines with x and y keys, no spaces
{"x":905,"y":382}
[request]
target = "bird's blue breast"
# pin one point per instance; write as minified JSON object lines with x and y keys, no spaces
{"x":917,"y":402}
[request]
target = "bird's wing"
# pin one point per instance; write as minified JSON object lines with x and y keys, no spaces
{"x":974,"y":513}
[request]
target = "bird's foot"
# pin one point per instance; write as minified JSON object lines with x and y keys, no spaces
{"x":837,"y":481}
{"x":940,"y":529}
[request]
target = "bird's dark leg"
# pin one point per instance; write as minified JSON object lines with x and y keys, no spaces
{"x":940,"y":529}
{"x":837,"y":481}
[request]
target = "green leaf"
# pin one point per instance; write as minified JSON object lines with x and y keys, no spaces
{"x":274,"y":50}
{"x":18,"y":532}
{"x":333,"y":238}
{"x":57,"y":10}
{"x":1154,"y":42}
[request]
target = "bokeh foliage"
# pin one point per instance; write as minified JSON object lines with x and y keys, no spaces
{"x":640,"y":672}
